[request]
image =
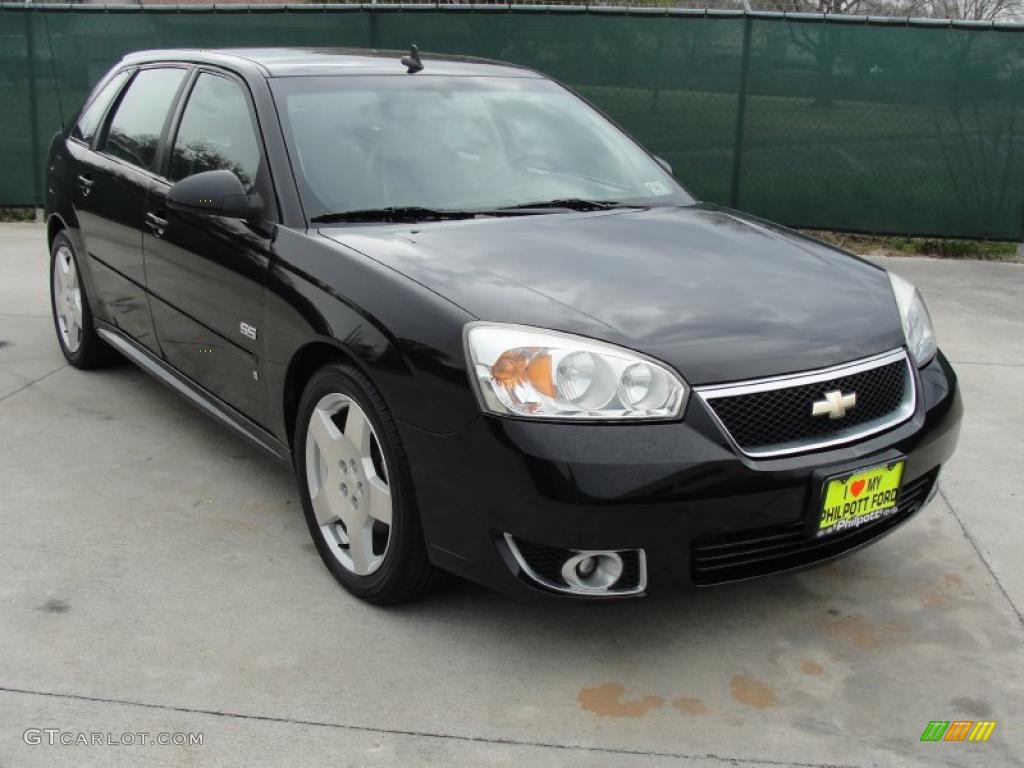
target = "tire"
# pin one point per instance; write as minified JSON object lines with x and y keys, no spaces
{"x":72,"y":316}
{"x":337,"y":473}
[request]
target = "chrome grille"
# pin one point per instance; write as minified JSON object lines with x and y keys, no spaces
{"x":774,"y":416}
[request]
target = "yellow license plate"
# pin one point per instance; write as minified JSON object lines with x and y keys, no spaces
{"x":865,"y":496}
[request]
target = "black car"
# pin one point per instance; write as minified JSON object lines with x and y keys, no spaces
{"x":493,"y":334}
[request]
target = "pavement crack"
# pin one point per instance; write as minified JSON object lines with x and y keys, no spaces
{"x":981,"y":556}
{"x":724,"y":760}
{"x":23,"y":387}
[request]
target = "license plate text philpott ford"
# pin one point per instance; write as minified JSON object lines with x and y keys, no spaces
{"x":862,"y":497}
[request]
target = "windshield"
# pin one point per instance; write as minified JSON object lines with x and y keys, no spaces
{"x":457,"y":143}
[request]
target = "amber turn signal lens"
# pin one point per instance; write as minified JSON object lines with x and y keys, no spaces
{"x":525,"y":365}
{"x":539,"y":373}
{"x":509,"y":369}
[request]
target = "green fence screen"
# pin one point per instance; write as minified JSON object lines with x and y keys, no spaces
{"x":858,"y":124}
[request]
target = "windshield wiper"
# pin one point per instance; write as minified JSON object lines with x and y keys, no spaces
{"x":572,"y":203}
{"x":417,"y":213}
{"x":393,"y":214}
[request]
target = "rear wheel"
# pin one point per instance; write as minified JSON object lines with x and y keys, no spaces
{"x":356,"y":489}
{"x":72,"y":317}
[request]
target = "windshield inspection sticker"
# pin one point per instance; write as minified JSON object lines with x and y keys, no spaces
{"x":657,"y":187}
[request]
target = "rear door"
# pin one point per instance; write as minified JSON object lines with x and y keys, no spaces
{"x":206,"y":274}
{"x":112,"y":181}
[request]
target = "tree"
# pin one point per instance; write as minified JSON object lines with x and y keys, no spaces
{"x":975,"y":10}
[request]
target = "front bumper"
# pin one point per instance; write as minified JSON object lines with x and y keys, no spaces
{"x":679,"y":491}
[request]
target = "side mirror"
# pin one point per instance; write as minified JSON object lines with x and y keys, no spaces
{"x":664,"y":164}
{"x":214,"y":193}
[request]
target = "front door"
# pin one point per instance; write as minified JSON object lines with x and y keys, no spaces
{"x":111,"y":185}
{"x":206,"y":274}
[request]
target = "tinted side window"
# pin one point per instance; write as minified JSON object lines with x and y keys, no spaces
{"x":135,"y":130}
{"x":216,"y":132}
{"x":87,"y":124}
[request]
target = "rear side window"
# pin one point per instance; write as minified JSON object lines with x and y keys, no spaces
{"x":87,"y":124}
{"x":139,"y":119}
{"x":216,"y":132}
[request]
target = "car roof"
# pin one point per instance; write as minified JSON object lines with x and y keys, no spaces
{"x":291,"y":62}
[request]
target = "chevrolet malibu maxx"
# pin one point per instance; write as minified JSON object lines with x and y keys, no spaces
{"x":492,"y":334}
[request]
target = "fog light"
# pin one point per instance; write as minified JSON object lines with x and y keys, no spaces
{"x":592,"y":571}
{"x":586,"y":567}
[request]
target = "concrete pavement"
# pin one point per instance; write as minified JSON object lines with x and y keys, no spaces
{"x":157,"y":576}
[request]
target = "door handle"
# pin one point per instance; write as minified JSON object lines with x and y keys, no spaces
{"x":85,"y":182}
{"x":156,"y":223}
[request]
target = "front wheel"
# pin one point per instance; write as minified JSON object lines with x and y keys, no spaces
{"x":357,"y":491}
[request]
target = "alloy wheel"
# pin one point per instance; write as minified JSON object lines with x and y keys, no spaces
{"x":67,"y":299}
{"x":348,"y":484}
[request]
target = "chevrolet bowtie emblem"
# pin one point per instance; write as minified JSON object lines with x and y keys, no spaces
{"x":835,"y":405}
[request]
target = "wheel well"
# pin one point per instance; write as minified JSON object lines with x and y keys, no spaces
{"x":53,"y":227}
{"x":304,"y":364}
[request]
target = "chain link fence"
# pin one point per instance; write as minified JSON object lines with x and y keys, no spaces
{"x":863,"y":124}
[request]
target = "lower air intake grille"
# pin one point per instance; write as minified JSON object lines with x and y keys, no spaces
{"x":734,"y":556}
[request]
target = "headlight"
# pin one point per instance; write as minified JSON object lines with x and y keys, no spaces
{"x":917,"y":324}
{"x":523,"y":371}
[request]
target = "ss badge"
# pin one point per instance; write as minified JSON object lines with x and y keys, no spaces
{"x":247,"y":330}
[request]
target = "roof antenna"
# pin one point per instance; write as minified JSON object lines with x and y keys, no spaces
{"x":412,"y":61}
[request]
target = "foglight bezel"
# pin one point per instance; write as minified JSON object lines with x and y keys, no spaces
{"x":627,"y":418}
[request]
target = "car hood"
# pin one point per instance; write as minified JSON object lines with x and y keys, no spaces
{"x":717,"y":295}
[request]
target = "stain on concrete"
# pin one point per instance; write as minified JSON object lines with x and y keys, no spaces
{"x":606,"y":701}
{"x":812,"y":668}
{"x":751,"y":692}
{"x":856,"y":629}
{"x":965,"y":705}
{"x":942,"y":596}
{"x":935,"y":598}
{"x":690,"y":706}
{"x":864,"y":633}
{"x":4,"y":343}
{"x":55,"y":605}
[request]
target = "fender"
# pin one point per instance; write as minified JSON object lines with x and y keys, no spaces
{"x":304,"y":315}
